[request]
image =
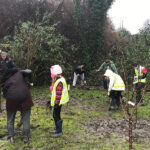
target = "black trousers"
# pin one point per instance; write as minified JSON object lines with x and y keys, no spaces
{"x":25,"y":115}
{"x":115,"y":95}
{"x":56,"y":113}
{"x":139,"y":91}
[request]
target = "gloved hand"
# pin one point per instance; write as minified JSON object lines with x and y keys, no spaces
{"x":84,"y":81}
{"x":31,"y":84}
{"x":108,"y":93}
{"x":51,"y":88}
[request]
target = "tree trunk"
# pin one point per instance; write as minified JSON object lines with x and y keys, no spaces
{"x":130,"y":132}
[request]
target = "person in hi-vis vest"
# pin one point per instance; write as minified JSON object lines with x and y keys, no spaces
{"x":59,"y":96}
{"x":115,"y":87}
{"x":139,"y":81}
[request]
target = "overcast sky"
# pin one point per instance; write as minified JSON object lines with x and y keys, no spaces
{"x":132,"y":13}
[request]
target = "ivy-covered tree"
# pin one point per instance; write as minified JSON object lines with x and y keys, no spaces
{"x":90,"y":17}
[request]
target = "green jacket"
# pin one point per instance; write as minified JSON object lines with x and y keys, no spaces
{"x":111,"y":66}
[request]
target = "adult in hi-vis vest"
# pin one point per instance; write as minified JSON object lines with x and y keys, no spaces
{"x":139,"y":81}
{"x":59,"y":96}
{"x":115,"y":87}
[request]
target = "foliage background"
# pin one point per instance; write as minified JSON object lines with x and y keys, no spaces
{"x":40,"y":33}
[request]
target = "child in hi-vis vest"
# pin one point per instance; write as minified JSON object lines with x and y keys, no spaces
{"x":59,"y":96}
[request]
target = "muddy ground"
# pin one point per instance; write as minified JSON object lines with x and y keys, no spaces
{"x":104,"y":127}
{"x":101,"y":127}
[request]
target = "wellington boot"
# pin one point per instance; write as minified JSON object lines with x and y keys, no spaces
{"x":12,"y":140}
{"x":57,"y":135}
{"x":58,"y":129}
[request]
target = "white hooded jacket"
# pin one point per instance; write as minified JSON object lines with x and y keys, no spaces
{"x":116,"y":83}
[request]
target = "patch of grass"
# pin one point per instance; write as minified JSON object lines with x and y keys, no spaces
{"x":87,"y":94}
{"x":84,"y":106}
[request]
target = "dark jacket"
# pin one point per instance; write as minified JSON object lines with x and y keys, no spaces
{"x":17,"y":95}
{"x":80,"y":69}
{"x":8,"y":73}
{"x":14,"y":106}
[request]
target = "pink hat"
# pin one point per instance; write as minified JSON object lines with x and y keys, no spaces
{"x":56,"y":69}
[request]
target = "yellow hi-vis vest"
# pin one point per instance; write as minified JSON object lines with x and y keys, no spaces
{"x":118,"y":82}
{"x":138,"y":72}
{"x":64,"y":97}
